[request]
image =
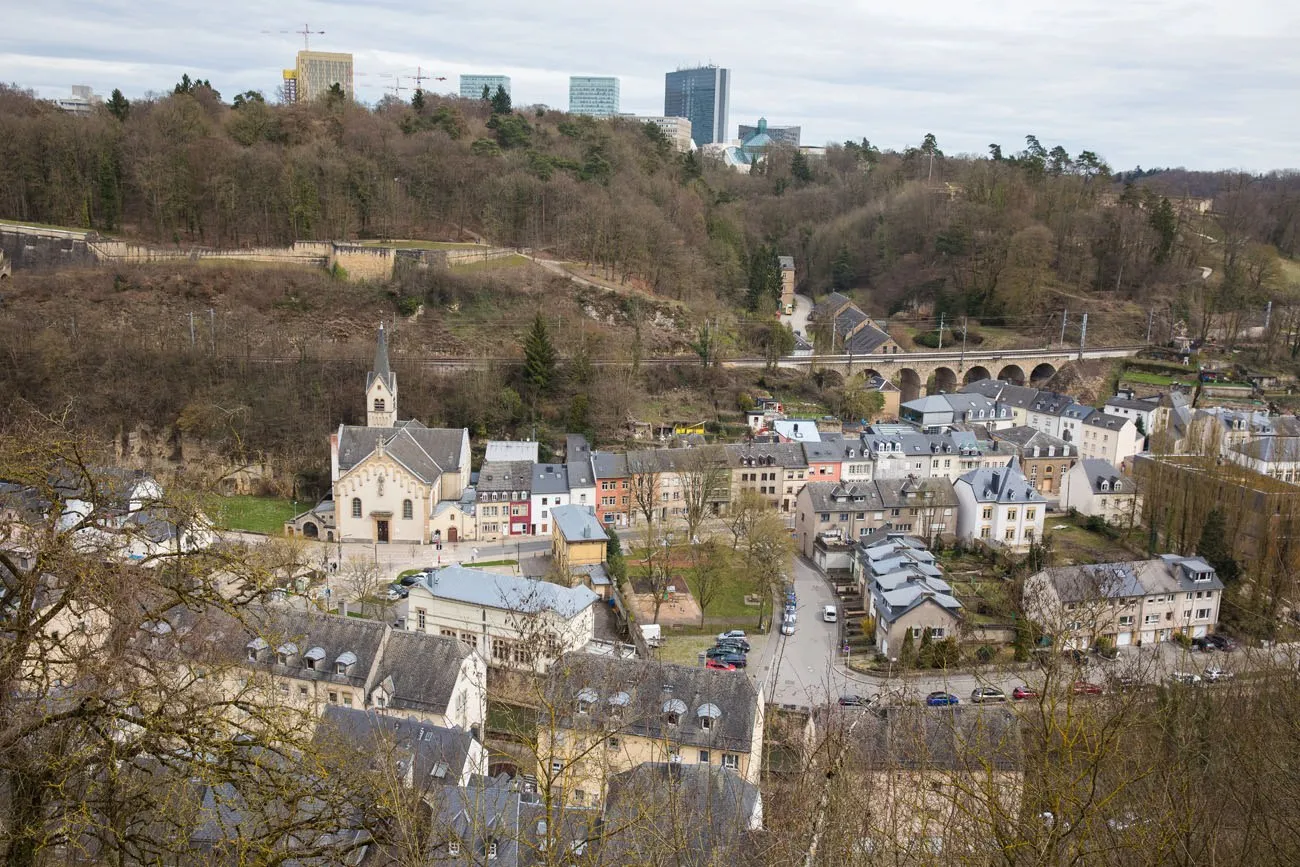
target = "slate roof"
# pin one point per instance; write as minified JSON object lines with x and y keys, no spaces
{"x":505,"y":476}
{"x":961,"y":739}
{"x":916,"y":493}
{"x":1002,"y":485}
{"x":422,"y":670}
{"x":510,"y":450}
{"x":788,"y":455}
{"x":786,"y":262}
{"x":1026,"y":439}
{"x":577,"y":523}
{"x":494,"y":590}
{"x":1106,"y":421}
{"x":1019,"y":396}
{"x":483,"y":812}
{"x":1139,"y":404}
{"x":609,"y":465}
{"x":866,"y":341}
{"x":649,"y":686}
{"x":1051,"y":403}
{"x":1078,"y":412}
{"x":424,"y":745}
{"x":381,"y":370}
{"x":1274,"y":449}
{"x":826,"y":451}
{"x":704,"y":809}
{"x":1097,"y":470}
{"x":843,"y":496}
{"x":801,"y":430}
{"x":1166,"y":574}
{"x":831,"y":305}
{"x":425,"y":452}
{"x":305,"y":630}
{"x":549,"y":479}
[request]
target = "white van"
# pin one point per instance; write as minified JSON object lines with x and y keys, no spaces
{"x":830,"y":614}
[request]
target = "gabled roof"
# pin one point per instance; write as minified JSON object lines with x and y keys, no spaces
{"x":425,"y":452}
{"x":831,"y":306}
{"x":1169,"y":573}
{"x":916,"y":493}
{"x":964,"y":739}
{"x":438,"y":754}
{"x":510,"y":450}
{"x":504,"y":476}
{"x":609,"y":465}
{"x":1001,"y":485}
{"x":842,"y":496}
{"x":423,"y":670}
{"x":578,"y":524}
{"x":1051,"y":403}
{"x":1019,"y":396}
{"x":1097,"y":471}
{"x":548,"y":479}
{"x":705,"y":809}
{"x":1026,"y":439}
{"x":866,"y":341}
{"x":788,"y":455}
{"x":1107,"y":421}
{"x":1274,"y":449}
{"x":495,"y":590}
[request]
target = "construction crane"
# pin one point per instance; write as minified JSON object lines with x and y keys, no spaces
{"x":420,"y":78}
{"x":306,"y":33}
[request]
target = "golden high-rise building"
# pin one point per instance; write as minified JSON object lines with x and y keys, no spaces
{"x":317,"y":71}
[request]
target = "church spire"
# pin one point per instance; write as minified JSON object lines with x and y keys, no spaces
{"x":381,"y":387}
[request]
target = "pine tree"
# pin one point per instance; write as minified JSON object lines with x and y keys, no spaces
{"x":486,"y":96}
{"x":500,"y":101}
{"x":842,"y":270}
{"x":1214,"y":549}
{"x":539,"y":358}
{"x":691,"y":168}
{"x":907,"y":654}
{"x":764,"y":289}
{"x":1165,"y":222}
{"x":118,"y":105}
{"x":417,"y":101}
{"x":799,"y":168}
{"x":926,"y":656}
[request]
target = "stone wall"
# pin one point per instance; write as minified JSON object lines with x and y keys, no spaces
{"x":363,"y":263}
{"x":33,"y":249}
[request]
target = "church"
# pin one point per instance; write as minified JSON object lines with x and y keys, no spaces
{"x":391,"y":480}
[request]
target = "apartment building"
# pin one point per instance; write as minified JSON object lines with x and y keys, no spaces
{"x":999,"y":507}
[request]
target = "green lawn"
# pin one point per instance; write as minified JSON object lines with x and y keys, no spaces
{"x":254,"y":514}
{"x":411,"y":244}
{"x":513,"y":261}
{"x":1155,"y":378}
{"x":487,"y":563}
{"x":685,"y":649}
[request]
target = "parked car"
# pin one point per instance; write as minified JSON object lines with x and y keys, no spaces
{"x":720,"y":651}
{"x":1222,"y":642}
{"x":1214,"y":674}
{"x":735,"y":660}
{"x":1185,"y":677}
{"x":732,"y":633}
{"x":1203,"y":643}
{"x":787,"y":628}
{"x":853,"y":701}
{"x":413,"y":578}
{"x":739,"y":644}
{"x":981,"y":694}
{"x":1083,"y":687}
{"x":1023,"y":692}
{"x":789,"y":616}
{"x":719,"y":665}
{"x":941,"y":699}
{"x":396,"y":591}
{"x":830,"y":614}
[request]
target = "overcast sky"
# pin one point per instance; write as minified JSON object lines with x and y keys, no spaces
{"x":1206,"y":84}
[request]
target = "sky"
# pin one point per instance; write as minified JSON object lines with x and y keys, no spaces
{"x":1206,"y":85}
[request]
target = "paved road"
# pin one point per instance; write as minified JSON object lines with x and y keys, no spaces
{"x":798,"y":320}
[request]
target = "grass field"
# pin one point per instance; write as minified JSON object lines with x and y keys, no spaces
{"x":421,"y":245}
{"x":1155,"y":378}
{"x":515,"y":261}
{"x":254,"y":514}
{"x":685,"y":649}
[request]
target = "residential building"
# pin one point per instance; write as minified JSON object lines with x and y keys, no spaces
{"x":1110,"y":438}
{"x":318,"y":71}
{"x":999,"y":507}
{"x":1276,"y":456}
{"x":1069,"y":424}
{"x":389,"y":476}
{"x":425,"y":756}
{"x":550,"y":488}
{"x":1140,"y":602}
{"x":1219,"y":430}
{"x":936,"y":413}
{"x":579,"y":545}
{"x":611,"y":715}
{"x":785,"y":135}
{"x":850,"y":331}
{"x":471,"y":86}
{"x":1045,"y":412}
{"x":1141,"y":409}
{"x":703,"y":96}
{"x":82,"y":101}
{"x":776,"y":471}
{"x":904,"y":591}
{"x":891,"y":393}
{"x":310,"y":661}
{"x":830,"y":516}
{"x":796,"y":430}
{"x":510,"y":450}
{"x":918,"y":506}
{"x":1096,"y":488}
{"x":594,"y":95}
{"x":708,"y":811}
{"x":825,"y":459}
{"x":504,"y":499}
{"x":1018,"y":398}
{"x":514,"y":622}
{"x":577,"y":463}
{"x":613,"y":490}
{"x":786,"y":264}
{"x":940,"y":781}
{"x":1044,"y":459}
{"x":1170,"y":423}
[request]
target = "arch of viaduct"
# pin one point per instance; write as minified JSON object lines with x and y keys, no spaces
{"x":918,"y":374}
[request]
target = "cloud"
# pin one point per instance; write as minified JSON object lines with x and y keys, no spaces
{"x":1155,"y":82}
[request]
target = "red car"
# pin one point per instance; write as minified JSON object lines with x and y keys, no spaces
{"x":719,"y":665}
{"x":1021,"y":693}
{"x":1082,"y":687}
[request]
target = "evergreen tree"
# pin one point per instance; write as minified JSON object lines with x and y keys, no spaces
{"x":184,"y":85}
{"x":500,"y":101}
{"x":764,"y":289}
{"x":118,"y":105}
{"x":417,"y":101}
{"x":799,"y":168}
{"x":614,"y":560}
{"x":842,"y":270}
{"x":335,"y":94}
{"x":926,"y":657}
{"x":1165,"y":222}
{"x":1214,"y":548}
{"x":907,"y":654}
{"x":539,"y":358}
{"x":691,"y":168}
{"x":486,"y":96}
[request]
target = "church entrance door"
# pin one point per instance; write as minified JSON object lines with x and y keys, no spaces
{"x":381,"y":530}
{"x":451,"y":534}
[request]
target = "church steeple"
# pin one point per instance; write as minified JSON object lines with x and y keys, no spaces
{"x":381,"y":387}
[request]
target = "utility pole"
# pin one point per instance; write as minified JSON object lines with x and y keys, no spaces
{"x":941,"y":330}
{"x":1083,"y":335}
{"x":1151,"y":315}
{"x":1065,"y":317}
{"x":191,"y":329}
{"x":1268,"y":315}
{"x":212,"y":326}
{"x":962,"y":364}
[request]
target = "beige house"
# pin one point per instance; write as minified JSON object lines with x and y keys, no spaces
{"x":1044,"y":459}
{"x":999,"y":508}
{"x":513,"y":622}
{"x":905,"y":592}
{"x":834,"y":515}
{"x":1095,"y":488}
{"x":776,"y":471}
{"x":604,"y":716}
{"x":1134,"y":603}
{"x":787,"y":283}
{"x":577,"y":537}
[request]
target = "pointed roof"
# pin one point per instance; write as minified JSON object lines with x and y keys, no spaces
{"x":381,"y":370}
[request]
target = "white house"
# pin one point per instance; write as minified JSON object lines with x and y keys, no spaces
{"x":1095,"y":488}
{"x":1276,"y":456}
{"x":127,"y":514}
{"x":514,"y":622}
{"x":1141,"y":409}
{"x":582,"y":477}
{"x":550,"y":489}
{"x":1110,"y":438}
{"x":1045,"y":411}
{"x":999,"y":507}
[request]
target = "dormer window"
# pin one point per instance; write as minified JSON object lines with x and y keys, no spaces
{"x":491,"y":849}
{"x":673,"y":710}
{"x":346,"y":660}
{"x":255,"y":647}
{"x":706,"y":714}
{"x":586,"y":698}
{"x":1105,"y":485}
{"x":285,"y":652}
{"x":453,"y":846}
{"x":313,"y":656}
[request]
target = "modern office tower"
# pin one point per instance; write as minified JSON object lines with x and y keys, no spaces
{"x":704,"y":96}
{"x":318,"y":71}
{"x":596,"y":95}
{"x":471,"y":86}
{"x":786,"y":135}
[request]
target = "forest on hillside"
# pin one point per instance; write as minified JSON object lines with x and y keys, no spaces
{"x":1011,"y":234}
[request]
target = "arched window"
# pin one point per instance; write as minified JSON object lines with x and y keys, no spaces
{"x":356,"y":507}
{"x":407,"y":511}
{"x":379,"y":404}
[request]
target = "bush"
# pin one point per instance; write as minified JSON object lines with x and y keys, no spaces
{"x":984,"y":654}
{"x":1182,"y":639}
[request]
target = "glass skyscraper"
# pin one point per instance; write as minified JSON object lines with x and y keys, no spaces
{"x":704,"y":96}
{"x":471,"y":86}
{"x":596,"y":95}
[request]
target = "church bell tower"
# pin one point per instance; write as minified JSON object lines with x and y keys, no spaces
{"x":381,"y":387}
